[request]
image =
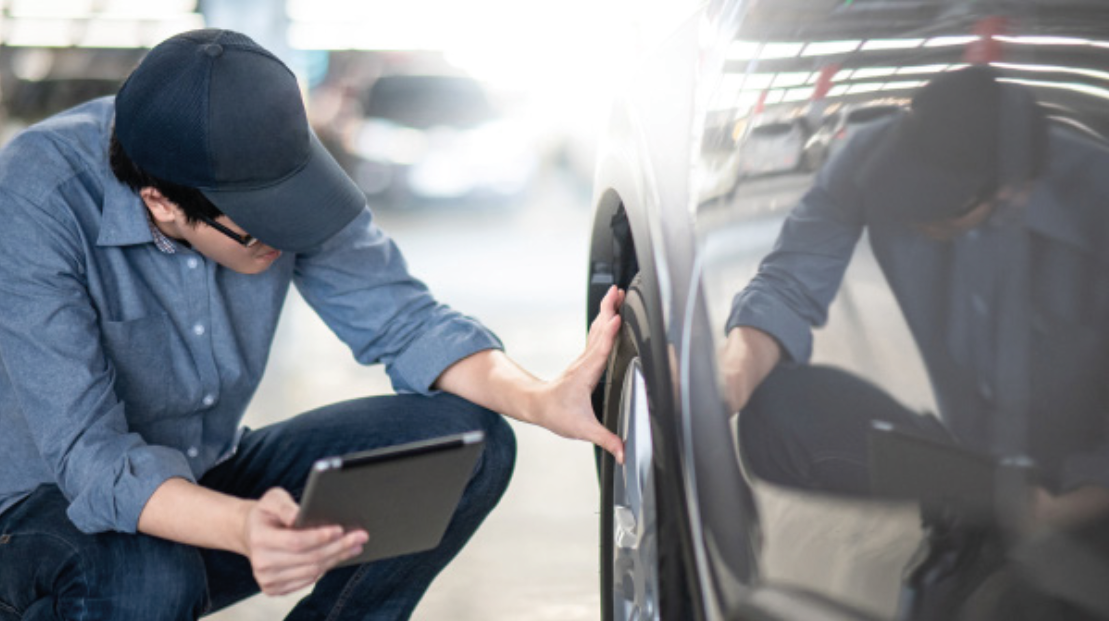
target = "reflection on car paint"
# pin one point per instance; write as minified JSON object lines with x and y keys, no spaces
{"x":936,"y":451}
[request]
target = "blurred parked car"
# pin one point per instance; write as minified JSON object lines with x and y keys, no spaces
{"x":690,"y":529}
{"x":839,"y":127}
{"x":436,"y":138}
{"x":38,"y":82}
{"x":773,"y":147}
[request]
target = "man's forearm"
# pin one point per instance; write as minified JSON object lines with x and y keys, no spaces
{"x":562,"y":405}
{"x":748,"y":356}
{"x":492,"y":380}
{"x":187,"y":513}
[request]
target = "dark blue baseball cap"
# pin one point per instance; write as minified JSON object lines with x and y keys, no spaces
{"x":966,"y":136}
{"x":213,"y":110}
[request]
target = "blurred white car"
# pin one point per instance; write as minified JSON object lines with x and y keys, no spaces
{"x":773,"y":147}
{"x":437,"y":137}
{"x":838,"y":129}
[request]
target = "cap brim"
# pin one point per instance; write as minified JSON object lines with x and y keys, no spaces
{"x":301,"y":211}
{"x":904,"y":187}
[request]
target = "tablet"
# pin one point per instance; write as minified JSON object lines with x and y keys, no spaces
{"x":907,"y":465}
{"x":403,"y":496}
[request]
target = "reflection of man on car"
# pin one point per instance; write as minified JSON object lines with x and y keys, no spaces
{"x":989,"y":227}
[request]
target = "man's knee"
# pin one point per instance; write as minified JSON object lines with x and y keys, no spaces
{"x":136,"y":577}
{"x":498,"y":458}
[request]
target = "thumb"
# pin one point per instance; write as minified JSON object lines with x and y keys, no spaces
{"x":280,"y":504}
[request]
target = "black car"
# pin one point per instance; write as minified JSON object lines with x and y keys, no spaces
{"x":974,"y":304}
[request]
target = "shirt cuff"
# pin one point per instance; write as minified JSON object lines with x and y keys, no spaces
{"x":425,"y":359}
{"x":118,"y":499}
{"x":765,"y":312}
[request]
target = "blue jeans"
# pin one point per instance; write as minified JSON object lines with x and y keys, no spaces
{"x":50,"y":570}
{"x":806,"y":427}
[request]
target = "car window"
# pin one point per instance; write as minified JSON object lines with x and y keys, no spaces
{"x":767,"y":131}
{"x":870,"y":113}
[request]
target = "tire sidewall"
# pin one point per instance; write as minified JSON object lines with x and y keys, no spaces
{"x":634,"y":342}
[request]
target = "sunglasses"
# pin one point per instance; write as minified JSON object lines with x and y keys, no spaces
{"x":246,"y":241}
{"x":985,"y":194}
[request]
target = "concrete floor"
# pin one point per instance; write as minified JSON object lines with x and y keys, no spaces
{"x":522,"y":272}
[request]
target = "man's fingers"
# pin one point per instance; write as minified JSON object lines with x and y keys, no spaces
{"x":602,"y":437}
{"x":282,"y":571}
{"x":611,"y":302}
{"x":598,"y":350}
{"x":289,"y":566}
{"x":301,"y":540}
{"x":318,"y":545}
{"x":610,"y":305}
{"x":275,"y":589}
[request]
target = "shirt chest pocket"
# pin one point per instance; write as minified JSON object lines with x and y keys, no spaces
{"x":154,"y":375}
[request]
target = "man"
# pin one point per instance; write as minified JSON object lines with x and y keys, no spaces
{"x":987,"y":222}
{"x":140,"y":295}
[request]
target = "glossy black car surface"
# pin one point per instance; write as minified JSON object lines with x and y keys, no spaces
{"x":986,"y":524}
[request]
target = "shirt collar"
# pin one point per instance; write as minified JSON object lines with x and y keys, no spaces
{"x":161,"y":240}
{"x":127,"y":222}
{"x":124,"y":220}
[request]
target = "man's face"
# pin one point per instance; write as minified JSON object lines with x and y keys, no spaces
{"x":223,"y":247}
{"x":973,"y":216}
{"x":950,"y":228}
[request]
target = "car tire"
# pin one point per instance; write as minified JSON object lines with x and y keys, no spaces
{"x":641,"y":567}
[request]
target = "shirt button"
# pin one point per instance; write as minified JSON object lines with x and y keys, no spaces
{"x":192,"y":452}
{"x":193,"y":262}
{"x":209,"y":400}
{"x":198,"y":329}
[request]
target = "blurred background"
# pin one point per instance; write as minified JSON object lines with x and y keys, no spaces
{"x":471,"y":127}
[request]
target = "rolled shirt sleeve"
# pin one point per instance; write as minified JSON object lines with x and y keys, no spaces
{"x":358,"y":283}
{"x":798,"y":280}
{"x":62,"y":381}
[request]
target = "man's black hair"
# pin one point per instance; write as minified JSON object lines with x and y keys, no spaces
{"x":191,"y":200}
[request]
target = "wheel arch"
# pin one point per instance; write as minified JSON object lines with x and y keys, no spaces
{"x":621,"y":251}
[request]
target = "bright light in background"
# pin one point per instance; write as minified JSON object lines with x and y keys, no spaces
{"x":510,"y":44}
{"x":564,"y":59}
{"x":780,"y":50}
{"x":144,"y":9}
{"x":951,"y":41}
{"x":827,"y":48}
{"x":100,"y":24}
{"x":891,"y":44}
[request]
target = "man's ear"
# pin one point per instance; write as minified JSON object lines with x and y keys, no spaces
{"x":161,"y":208}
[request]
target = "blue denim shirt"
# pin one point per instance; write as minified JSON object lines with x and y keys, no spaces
{"x":124,"y":366}
{"x":953,"y":296}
